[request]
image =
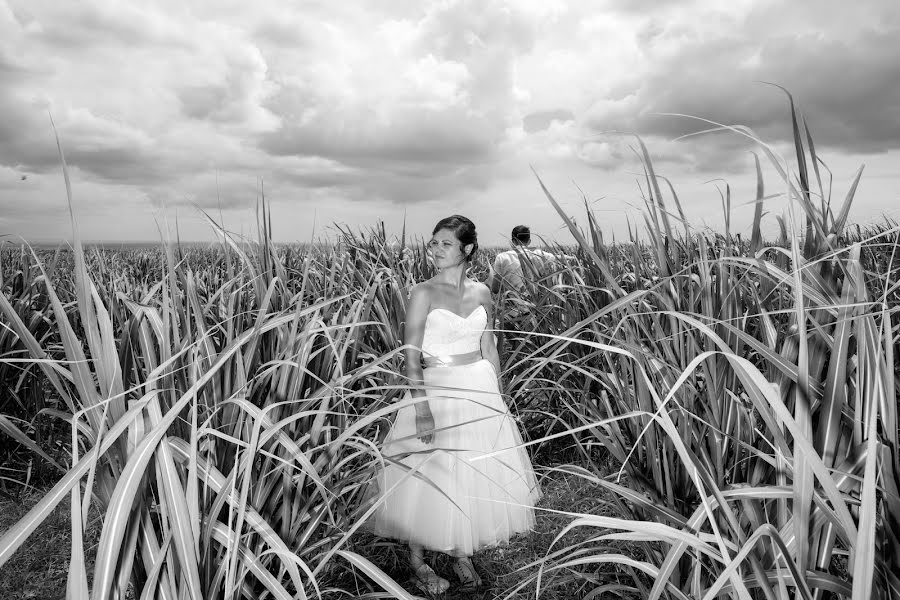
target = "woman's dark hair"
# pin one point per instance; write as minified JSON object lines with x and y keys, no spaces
{"x":521,"y":234}
{"x":463,"y":229}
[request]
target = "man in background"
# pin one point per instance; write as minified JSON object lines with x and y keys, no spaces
{"x":516,"y":275}
{"x":508,"y":270}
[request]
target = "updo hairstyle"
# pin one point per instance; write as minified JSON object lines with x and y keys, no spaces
{"x":463,"y":229}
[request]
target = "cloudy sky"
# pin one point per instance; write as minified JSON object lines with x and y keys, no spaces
{"x":354,"y":112}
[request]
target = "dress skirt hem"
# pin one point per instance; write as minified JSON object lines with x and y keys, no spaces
{"x":473,"y":486}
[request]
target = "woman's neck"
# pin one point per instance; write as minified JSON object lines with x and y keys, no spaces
{"x":455,"y":276}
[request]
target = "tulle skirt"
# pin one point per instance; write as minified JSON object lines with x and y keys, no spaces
{"x":472,"y":486}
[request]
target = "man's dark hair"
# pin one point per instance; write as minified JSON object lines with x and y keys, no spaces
{"x":521,"y":234}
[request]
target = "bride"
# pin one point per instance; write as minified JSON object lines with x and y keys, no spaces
{"x":455,"y":478}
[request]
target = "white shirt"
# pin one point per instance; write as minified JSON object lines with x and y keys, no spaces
{"x":508,"y":265}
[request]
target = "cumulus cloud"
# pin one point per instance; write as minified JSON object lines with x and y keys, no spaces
{"x":395,"y":98}
{"x":841,"y":70}
{"x":426,"y":98}
{"x":138,"y":96}
{"x":538,"y":121}
{"x":99,"y":23}
{"x":394,"y":103}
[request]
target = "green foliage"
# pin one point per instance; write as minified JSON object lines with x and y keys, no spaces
{"x":222,"y":406}
{"x":749,"y":395}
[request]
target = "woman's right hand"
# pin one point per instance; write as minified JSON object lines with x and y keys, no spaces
{"x":424,"y":423}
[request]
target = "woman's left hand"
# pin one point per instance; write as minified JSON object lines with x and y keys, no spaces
{"x":425,"y":424}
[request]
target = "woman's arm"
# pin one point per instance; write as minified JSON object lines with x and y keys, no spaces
{"x":488,"y":339}
{"x":413,"y":334}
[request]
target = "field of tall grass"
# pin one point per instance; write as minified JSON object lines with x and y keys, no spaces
{"x":221,"y":408}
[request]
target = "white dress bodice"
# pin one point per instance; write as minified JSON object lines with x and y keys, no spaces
{"x":447,"y":333}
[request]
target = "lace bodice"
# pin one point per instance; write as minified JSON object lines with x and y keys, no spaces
{"x":448,"y":333}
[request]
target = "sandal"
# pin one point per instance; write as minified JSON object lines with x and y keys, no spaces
{"x":468,"y":576}
{"x":428,"y":582}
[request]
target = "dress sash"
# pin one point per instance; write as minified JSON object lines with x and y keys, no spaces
{"x":452,"y":360}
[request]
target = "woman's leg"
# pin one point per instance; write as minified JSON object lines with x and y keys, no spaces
{"x":465,"y":571}
{"x":416,"y":556}
{"x":424,"y":576}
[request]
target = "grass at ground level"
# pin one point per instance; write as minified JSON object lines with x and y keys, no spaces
{"x":39,"y":568}
{"x":505,"y":567}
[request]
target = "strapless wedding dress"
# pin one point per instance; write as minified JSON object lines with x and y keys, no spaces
{"x":475,"y":485}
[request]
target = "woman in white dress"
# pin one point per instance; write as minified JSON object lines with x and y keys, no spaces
{"x":456,"y":477}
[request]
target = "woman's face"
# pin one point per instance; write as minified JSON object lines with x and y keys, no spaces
{"x":445,"y":249}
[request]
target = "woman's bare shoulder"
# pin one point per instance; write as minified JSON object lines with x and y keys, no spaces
{"x":479,"y":290}
{"x":423,"y":290}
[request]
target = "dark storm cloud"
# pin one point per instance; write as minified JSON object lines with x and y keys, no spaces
{"x":123,"y":164}
{"x":401,"y":101}
{"x":105,"y":149}
{"x":407,"y":111}
{"x":26,"y":136}
{"x":848,"y":88}
{"x":101,"y":24}
{"x":416,"y":137}
{"x":403,"y":184}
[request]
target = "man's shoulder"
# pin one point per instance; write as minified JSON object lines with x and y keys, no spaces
{"x":543,"y":254}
